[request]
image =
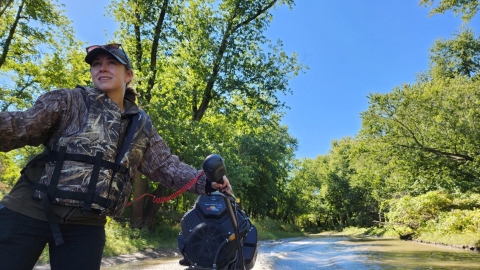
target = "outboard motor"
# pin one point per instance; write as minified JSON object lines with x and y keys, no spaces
{"x":215,"y":233}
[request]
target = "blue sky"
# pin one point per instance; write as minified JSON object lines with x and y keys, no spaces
{"x":352,"y":48}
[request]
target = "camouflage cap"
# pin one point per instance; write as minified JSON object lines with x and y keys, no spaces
{"x":113,"y":49}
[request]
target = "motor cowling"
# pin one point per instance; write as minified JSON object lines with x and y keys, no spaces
{"x":207,"y":239}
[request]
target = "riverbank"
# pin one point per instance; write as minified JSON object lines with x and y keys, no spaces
{"x":385,"y":233}
{"x":140,"y":256}
{"x":464,"y":247}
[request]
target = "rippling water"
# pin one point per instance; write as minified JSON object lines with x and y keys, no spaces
{"x":364,"y":253}
{"x":334,"y":252}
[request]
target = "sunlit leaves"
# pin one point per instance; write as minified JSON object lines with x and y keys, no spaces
{"x":430,"y":126}
{"x":468,"y":8}
{"x":459,"y":56}
{"x":38,"y":47}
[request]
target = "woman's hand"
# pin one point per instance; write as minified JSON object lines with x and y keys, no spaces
{"x":225,"y":187}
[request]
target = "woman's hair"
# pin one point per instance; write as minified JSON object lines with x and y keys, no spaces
{"x":131,"y":94}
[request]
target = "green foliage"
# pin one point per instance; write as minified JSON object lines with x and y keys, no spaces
{"x":122,"y":239}
{"x":38,"y":52}
{"x":459,"y":56}
{"x":265,"y":156}
{"x":422,"y":137}
{"x":455,"y":221}
{"x":428,"y":131}
{"x":468,"y":8}
{"x":415,"y":157}
{"x":466,"y":201}
{"x":459,"y":239}
{"x":438,"y":217}
{"x":11,"y":164}
{"x":9,"y":171}
{"x":328,"y":192}
{"x":415,"y":212}
{"x":413,"y":166}
{"x":457,"y":227}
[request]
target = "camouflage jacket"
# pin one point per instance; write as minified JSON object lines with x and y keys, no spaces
{"x":86,"y":121}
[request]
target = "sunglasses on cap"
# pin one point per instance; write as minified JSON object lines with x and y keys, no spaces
{"x":113,"y":48}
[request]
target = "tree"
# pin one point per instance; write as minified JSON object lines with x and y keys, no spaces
{"x":201,"y":63}
{"x":291,"y":206}
{"x":265,"y":155}
{"x":38,"y":52}
{"x":430,"y":127}
{"x":329,"y":191}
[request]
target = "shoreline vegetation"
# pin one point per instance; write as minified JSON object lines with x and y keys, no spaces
{"x":457,"y":241}
{"x":127,"y":245}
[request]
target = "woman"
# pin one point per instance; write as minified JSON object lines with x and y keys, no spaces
{"x":95,"y":141}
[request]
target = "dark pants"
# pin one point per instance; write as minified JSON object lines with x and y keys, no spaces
{"x":22,"y":240}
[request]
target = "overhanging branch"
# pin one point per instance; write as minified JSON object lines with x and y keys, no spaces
{"x":230,"y":29}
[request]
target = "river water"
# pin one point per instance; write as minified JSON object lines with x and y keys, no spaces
{"x":337,"y":252}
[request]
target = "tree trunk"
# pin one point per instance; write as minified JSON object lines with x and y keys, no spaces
{"x":152,"y":208}
{"x":153,"y":54}
{"x":13,"y":28}
{"x":4,"y":8}
{"x":140,"y":188}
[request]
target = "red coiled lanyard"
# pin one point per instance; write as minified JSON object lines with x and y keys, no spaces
{"x":171,"y":196}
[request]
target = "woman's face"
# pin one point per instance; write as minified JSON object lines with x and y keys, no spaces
{"x":109,"y":75}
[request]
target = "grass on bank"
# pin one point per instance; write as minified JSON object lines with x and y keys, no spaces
{"x":269,"y":229}
{"x":123,"y":239}
{"x":379,"y":231}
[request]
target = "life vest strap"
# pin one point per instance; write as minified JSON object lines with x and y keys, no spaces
{"x":92,"y":185}
{"x":53,"y":156}
{"x":73,"y":195}
{"x":56,"y":173}
{"x":47,"y":207}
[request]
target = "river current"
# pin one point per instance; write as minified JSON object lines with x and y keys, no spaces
{"x":337,"y":252}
